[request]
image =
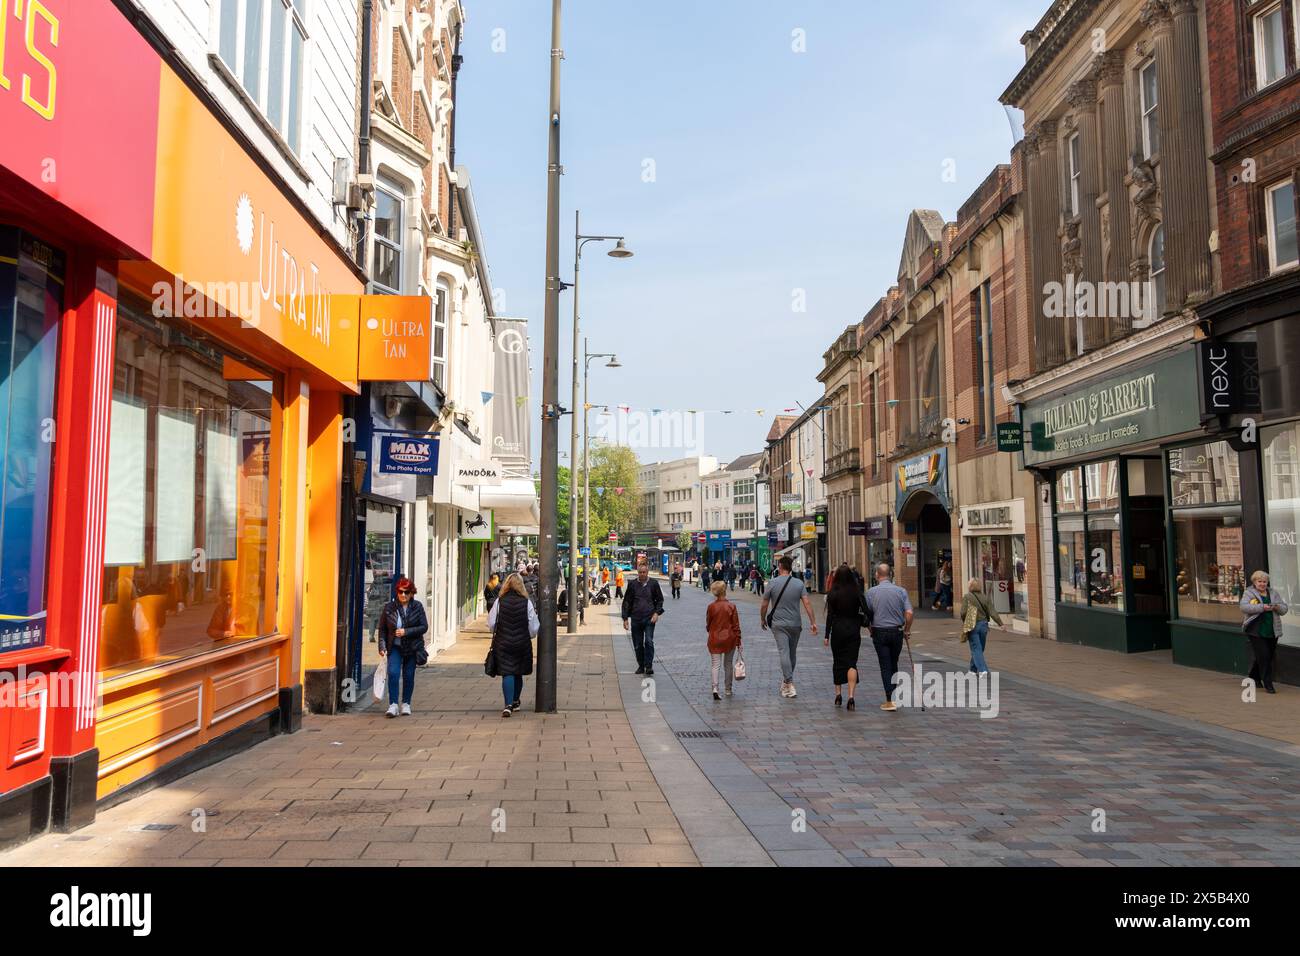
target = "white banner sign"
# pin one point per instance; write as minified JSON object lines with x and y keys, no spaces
{"x":475,"y":473}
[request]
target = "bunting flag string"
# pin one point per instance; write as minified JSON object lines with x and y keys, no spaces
{"x":925,"y":401}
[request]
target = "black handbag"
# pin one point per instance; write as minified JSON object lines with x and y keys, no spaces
{"x":490,"y":662}
{"x":421,"y":655}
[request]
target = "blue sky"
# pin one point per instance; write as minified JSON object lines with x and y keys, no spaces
{"x":773,"y":171}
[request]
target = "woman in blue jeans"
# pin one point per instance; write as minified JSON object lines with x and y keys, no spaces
{"x":976,"y":612}
{"x":402,"y":626}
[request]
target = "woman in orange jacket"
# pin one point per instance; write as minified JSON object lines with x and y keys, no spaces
{"x":618,"y":584}
{"x":723,"y":624}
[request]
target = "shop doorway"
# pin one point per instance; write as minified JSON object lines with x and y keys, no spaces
{"x":935,"y":538}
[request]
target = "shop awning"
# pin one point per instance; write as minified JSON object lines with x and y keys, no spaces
{"x":793,"y":547}
{"x":513,"y":502}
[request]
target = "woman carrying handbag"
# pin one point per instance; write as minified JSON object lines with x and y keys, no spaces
{"x":976,"y":612}
{"x":723,"y":624}
{"x":402,"y":625}
{"x":513,"y":622}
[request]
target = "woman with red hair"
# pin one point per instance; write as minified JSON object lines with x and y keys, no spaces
{"x":401,"y":639}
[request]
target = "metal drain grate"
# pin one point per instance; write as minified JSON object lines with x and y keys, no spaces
{"x":697,"y":734}
{"x":159,"y":826}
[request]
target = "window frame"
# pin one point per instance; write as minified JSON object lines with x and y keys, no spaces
{"x":1257,"y":36}
{"x":1073,"y":157}
{"x":1270,"y":219}
{"x":438,"y":363}
{"x":295,"y":17}
{"x":392,"y":191}
{"x":1149,"y":112}
{"x":1158,"y":301}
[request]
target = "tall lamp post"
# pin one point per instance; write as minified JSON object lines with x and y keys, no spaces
{"x":619,"y":251}
{"x":586,"y":439}
{"x":547,"y":546}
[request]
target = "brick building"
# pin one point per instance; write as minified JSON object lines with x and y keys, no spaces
{"x":1254,"y":93}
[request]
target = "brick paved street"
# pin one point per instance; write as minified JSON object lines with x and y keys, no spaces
{"x":946,"y":787}
{"x":360,"y":789}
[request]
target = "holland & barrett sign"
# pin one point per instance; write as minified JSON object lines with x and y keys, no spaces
{"x":1147,"y":402}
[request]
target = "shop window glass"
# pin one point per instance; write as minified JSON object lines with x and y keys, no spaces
{"x":1204,"y":475}
{"x":1071,"y":558}
{"x":31,"y":300}
{"x":1105,"y":563}
{"x":1209,"y":574}
{"x":1069,"y":491}
{"x":191,"y":521}
{"x":1282,"y":520}
{"x":999,"y":562}
{"x":1102,"y":479}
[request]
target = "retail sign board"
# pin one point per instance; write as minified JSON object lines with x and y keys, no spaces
{"x":1229,"y":378}
{"x":791,"y":502}
{"x":925,"y":473}
{"x":408,"y":454}
{"x":1142,"y":403}
{"x":479,"y":527}
{"x":393,"y":335}
{"x":1011,"y":436}
{"x":475,"y":473}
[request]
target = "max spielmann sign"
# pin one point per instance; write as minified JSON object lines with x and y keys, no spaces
{"x":1148,"y":402}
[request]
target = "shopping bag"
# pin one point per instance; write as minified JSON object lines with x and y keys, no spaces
{"x":381,"y":680}
{"x":738,"y":667}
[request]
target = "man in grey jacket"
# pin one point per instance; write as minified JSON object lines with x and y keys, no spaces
{"x":1264,"y":609}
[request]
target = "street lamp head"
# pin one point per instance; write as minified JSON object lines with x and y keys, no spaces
{"x":613,"y":362}
{"x":620,"y":251}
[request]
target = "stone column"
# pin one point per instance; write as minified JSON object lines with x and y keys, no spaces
{"x":1108,"y":72}
{"x":1044,"y":208}
{"x":1183,"y":185}
{"x":1082,"y":97}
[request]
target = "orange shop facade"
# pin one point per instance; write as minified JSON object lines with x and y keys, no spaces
{"x":177,"y":335}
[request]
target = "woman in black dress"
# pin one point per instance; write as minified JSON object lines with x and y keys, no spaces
{"x":845,"y":617}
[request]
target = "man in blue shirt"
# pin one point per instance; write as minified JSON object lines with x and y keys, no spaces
{"x":891,"y":622}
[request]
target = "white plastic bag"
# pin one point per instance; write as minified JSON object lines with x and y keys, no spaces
{"x":381,"y":680}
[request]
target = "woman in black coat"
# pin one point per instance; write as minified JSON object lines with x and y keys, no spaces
{"x":402,"y":625}
{"x":845,"y":612}
{"x":514,"y":623}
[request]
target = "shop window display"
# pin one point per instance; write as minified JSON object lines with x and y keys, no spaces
{"x":1071,"y":559}
{"x":1209,"y":568}
{"x":31,"y":301}
{"x":191,"y":530}
{"x":1282,"y":520}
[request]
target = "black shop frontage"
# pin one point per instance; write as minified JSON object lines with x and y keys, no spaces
{"x":1250,"y":397}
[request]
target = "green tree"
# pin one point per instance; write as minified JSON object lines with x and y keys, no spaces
{"x":614,"y":467}
{"x":683,"y":541}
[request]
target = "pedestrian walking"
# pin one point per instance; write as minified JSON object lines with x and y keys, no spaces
{"x":643,"y":604}
{"x":402,"y":625}
{"x":976,"y":612}
{"x":890,"y":611}
{"x":722,"y":621}
{"x":618,"y":583}
{"x":943,"y":591}
{"x":675,"y":580}
{"x":532,"y":581}
{"x":705,"y":574}
{"x":808,"y":577}
{"x":604,"y":575}
{"x":513,"y":623}
{"x":491,"y":591}
{"x":1263,"y":609}
{"x":758,"y":580}
{"x":788,"y":595}
{"x":730,"y":574}
{"x":846,"y":615}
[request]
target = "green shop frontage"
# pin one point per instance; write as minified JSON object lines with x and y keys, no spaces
{"x":1150,"y":549}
